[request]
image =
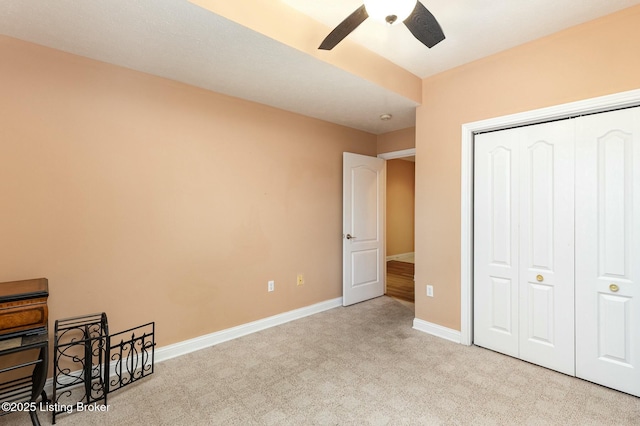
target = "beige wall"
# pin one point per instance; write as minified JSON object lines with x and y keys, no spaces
{"x":400,"y":206}
{"x":598,"y":58}
{"x":398,"y":140}
{"x":153,"y":200}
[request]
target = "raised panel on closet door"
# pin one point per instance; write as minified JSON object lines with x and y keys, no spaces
{"x":496,"y":241}
{"x":608,"y":249}
{"x":546,"y":245}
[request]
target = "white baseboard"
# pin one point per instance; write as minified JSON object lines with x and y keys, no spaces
{"x":401,"y":256}
{"x":436,"y":330}
{"x":192,"y":345}
{"x":182,"y":348}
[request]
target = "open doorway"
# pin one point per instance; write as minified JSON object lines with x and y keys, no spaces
{"x":400,"y":224}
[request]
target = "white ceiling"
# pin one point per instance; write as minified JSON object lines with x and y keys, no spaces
{"x":473,"y":28}
{"x":180,"y":41}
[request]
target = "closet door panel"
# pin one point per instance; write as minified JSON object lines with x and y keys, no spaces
{"x":546,"y":272}
{"x":496,"y":242}
{"x":608,"y":249}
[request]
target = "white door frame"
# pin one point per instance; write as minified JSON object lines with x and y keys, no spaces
{"x":392,"y":156}
{"x":397,"y":154}
{"x":588,"y":106}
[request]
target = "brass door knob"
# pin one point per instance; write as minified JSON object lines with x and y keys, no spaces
{"x":614,"y":288}
{"x":540,"y":278}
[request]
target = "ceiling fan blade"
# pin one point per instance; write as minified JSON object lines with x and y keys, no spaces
{"x":424,"y":27}
{"x":344,"y":29}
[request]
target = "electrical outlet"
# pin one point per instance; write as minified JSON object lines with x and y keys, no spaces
{"x":300,"y":279}
{"x":430,"y":290}
{"x":271,"y":285}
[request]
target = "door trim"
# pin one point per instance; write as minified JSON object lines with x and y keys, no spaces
{"x":587,"y":106}
{"x":397,"y":154}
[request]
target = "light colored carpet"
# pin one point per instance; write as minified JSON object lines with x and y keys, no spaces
{"x":360,"y":365}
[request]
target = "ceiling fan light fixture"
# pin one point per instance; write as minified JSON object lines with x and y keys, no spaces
{"x":390,"y":11}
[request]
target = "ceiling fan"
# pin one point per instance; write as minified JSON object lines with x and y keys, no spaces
{"x":422,"y":24}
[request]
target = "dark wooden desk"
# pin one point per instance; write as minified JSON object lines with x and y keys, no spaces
{"x":28,"y":375}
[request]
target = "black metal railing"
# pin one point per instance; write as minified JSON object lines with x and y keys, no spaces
{"x":131,"y":357}
{"x":89,"y":362}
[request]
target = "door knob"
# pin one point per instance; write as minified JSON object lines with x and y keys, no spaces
{"x":614,"y":288}
{"x":349,"y":237}
{"x":540,"y":278}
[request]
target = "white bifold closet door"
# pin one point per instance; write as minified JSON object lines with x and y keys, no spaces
{"x":608,"y":249}
{"x":557,"y":281}
{"x":523,"y":243}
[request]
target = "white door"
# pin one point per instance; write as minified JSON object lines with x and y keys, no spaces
{"x":363,"y":228}
{"x":546,"y":261}
{"x":608,"y":249}
{"x":523,"y":244}
{"x":496,"y":241}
